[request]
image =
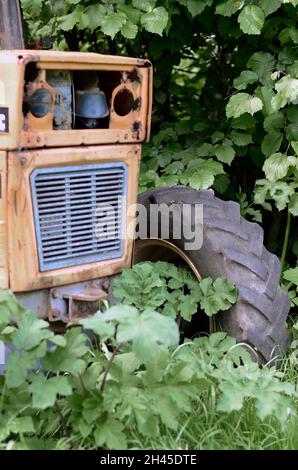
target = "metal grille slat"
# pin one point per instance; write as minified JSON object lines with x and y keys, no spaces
{"x":79,"y":213}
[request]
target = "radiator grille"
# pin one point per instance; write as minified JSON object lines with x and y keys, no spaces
{"x":79,"y":214}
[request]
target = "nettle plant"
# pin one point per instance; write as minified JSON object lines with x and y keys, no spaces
{"x":122,"y":371}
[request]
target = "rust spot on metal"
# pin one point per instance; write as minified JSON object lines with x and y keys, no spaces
{"x":23,"y":161}
{"x":54,"y":314}
{"x":134,"y":76}
{"x":137,"y":104}
{"x":136,"y":126}
{"x":144,"y":63}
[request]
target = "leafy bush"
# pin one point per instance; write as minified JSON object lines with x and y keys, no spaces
{"x":122,"y":374}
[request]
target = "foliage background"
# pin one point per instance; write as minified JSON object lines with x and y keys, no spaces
{"x":225,"y":94}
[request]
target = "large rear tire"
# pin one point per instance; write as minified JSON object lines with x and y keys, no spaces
{"x":233,"y":248}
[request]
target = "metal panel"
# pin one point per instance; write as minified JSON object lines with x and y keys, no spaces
{"x":79,"y":213}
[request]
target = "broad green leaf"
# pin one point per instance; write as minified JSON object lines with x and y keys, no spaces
{"x":110,"y":434}
{"x":291,"y":275}
{"x":245,"y":121}
{"x":146,"y":332}
{"x":245,"y":78}
{"x":243,"y":103}
{"x":266,"y":95}
{"x":229,"y":7}
{"x":287,"y":91}
{"x":34,"y":6}
{"x":276,"y":166}
{"x":17,"y":368}
{"x":204,"y":150}
{"x":295,"y":147}
{"x":240,"y":138}
{"x":45,"y":391}
{"x":269,"y":6}
{"x":217,"y":137}
{"x":251,"y":19}
{"x":281,"y":192}
{"x":94,"y":14}
{"x":145,"y":5}
{"x":129,"y":30}
{"x":112,"y":23}
{"x":31,"y":332}
{"x":9,"y":307}
{"x":204,"y":176}
{"x":262,"y":63}
{"x":22,"y":425}
{"x":187,"y":307}
{"x":68,"y":22}
{"x":195,"y":7}
{"x":293,"y":205}
{"x":224,"y":153}
{"x":271,"y":142}
{"x":70,"y":357}
{"x":155,"y":21}
{"x":101,"y":327}
{"x":217,"y":295}
{"x":274,"y":121}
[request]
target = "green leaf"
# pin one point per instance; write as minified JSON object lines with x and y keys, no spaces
{"x":274,"y":121}
{"x":291,"y":275}
{"x":245,"y":121}
{"x":203,"y":177}
{"x":262,"y":63}
{"x":251,"y":19}
{"x":111,"y":435}
{"x":269,"y":6}
{"x":293,"y":205}
{"x":243,"y":103}
{"x":68,"y":358}
{"x":151,"y":292}
{"x":240,"y":138}
{"x":31,"y":332}
{"x":155,"y":21}
{"x":148,"y":331}
{"x":145,"y":5}
{"x":271,"y":143}
{"x":245,"y":78}
{"x":229,"y":7}
{"x":224,"y":153}
{"x":188,"y":306}
{"x":281,"y":192}
{"x":129,"y":30}
{"x":17,"y":368}
{"x":276,"y":166}
{"x":45,"y":391}
{"x":100,"y":326}
{"x":295,"y":147}
{"x":217,"y":296}
{"x":94,"y":14}
{"x":195,"y":7}
{"x":9,"y":307}
{"x":22,"y":425}
{"x":112,"y":23}
{"x":287,"y":91}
